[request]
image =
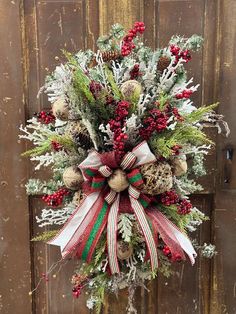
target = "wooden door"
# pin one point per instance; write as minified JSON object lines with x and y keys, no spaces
{"x":32,"y":34}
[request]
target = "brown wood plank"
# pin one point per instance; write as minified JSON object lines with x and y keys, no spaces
{"x":15,"y":270}
{"x":125,"y":12}
{"x":50,"y":27}
{"x":223,"y":282}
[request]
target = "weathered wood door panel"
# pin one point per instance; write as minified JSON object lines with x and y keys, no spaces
{"x":33,"y":32}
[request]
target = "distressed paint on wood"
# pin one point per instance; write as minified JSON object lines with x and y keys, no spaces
{"x":15,"y":263}
{"x":224,"y":273}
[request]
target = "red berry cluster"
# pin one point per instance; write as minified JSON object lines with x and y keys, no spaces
{"x":128,"y":44}
{"x":95,"y":88}
{"x":45,"y":117}
{"x":56,"y":199}
{"x":167,"y":252}
{"x":156,"y":122}
{"x":184,"y":207}
{"x":169,"y":198}
{"x":178,"y":53}
{"x":117,"y":125}
{"x":177,"y":115}
{"x":173,"y":111}
{"x":134,"y":73}
{"x":176,"y":149}
{"x":56,"y":146}
{"x":184,"y":94}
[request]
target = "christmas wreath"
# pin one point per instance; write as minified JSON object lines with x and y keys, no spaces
{"x":124,"y":142}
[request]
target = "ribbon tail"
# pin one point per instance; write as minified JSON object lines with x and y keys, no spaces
{"x":140,"y":215}
{"x":172,"y":236}
{"x":112,"y":236}
{"x":68,"y":235}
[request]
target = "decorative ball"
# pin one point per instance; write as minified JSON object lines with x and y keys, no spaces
{"x":157,"y":178}
{"x":118,"y":181}
{"x":124,"y":250}
{"x":60,"y":109}
{"x":131,"y":90}
{"x":72,"y":178}
{"x":179,"y":166}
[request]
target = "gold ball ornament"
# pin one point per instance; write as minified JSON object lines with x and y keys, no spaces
{"x":157,"y":178}
{"x":124,"y":250}
{"x":131,"y":90}
{"x":118,"y":181}
{"x":72,"y":178}
{"x":60,"y":109}
{"x":179,"y":166}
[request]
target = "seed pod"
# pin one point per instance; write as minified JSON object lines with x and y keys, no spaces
{"x":131,"y":90}
{"x":124,"y":250}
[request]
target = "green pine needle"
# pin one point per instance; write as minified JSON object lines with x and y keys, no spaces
{"x":45,"y":236}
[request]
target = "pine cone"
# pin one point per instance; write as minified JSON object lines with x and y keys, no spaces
{"x":163,"y":63}
{"x":83,"y":140}
{"x":107,"y":56}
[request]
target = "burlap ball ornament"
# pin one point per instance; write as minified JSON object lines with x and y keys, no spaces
{"x":124,"y":250}
{"x":131,"y":90}
{"x":179,"y":166}
{"x":72,"y":178}
{"x":157,"y":178}
{"x":60,"y":109}
{"x":118,"y":181}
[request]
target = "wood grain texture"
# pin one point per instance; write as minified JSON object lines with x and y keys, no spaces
{"x":15,"y":263}
{"x":125,"y":12}
{"x":224,"y":282}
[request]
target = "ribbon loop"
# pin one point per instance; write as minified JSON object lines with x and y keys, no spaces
{"x":133,"y":192}
{"x":110,"y":197}
{"x":105,"y":171}
{"x":128,"y":161}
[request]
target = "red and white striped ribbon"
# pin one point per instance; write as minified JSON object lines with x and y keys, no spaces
{"x":112,"y":236}
{"x":141,"y":217}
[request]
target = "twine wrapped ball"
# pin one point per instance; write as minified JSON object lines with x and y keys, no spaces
{"x":118,"y":181}
{"x":72,"y":178}
{"x":124,"y":250}
{"x":60,"y":109}
{"x":157,"y":178}
{"x":131,"y":90}
{"x":179,"y":166}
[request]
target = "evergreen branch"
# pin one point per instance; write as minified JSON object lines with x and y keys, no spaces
{"x":80,"y":80}
{"x":110,"y":78}
{"x":198,"y":114}
{"x":65,"y":141}
{"x":39,"y":150}
{"x":182,"y":134}
{"x":46,"y":235}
